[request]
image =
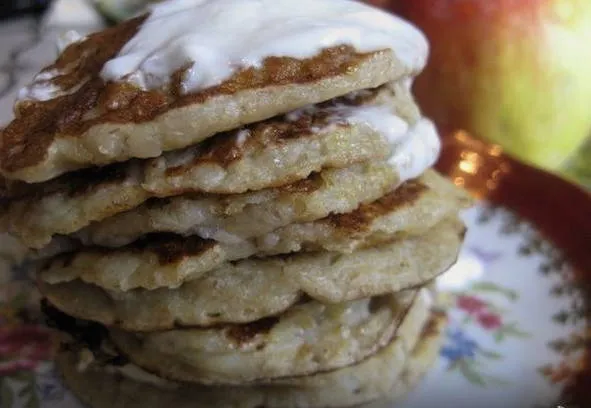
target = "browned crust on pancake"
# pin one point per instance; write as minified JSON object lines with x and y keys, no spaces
{"x":73,"y":184}
{"x":26,"y":140}
{"x":169,"y":248}
{"x":243,"y":333}
{"x":225,"y":148}
{"x":361,"y":219}
{"x":307,"y":185}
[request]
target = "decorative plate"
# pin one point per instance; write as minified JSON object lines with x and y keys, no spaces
{"x":518,"y":299}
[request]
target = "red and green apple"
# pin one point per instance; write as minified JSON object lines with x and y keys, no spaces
{"x":515,"y":72}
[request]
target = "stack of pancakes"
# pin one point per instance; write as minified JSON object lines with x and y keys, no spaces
{"x":270,"y":241}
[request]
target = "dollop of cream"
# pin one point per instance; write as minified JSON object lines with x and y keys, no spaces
{"x":43,"y":87}
{"x":39,"y":90}
{"x":216,"y":38}
{"x":68,"y":38}
{"x":419,"y":151}
{"x":414,"y":148}
{"x":382,"y":120}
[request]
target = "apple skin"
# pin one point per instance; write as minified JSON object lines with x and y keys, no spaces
{"x":515,"y":72}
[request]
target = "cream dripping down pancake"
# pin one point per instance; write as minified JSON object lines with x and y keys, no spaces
{"x":179,"y":74}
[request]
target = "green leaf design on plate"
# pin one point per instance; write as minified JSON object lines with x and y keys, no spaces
{"x":20,"y":301}
{"x":454,"y":366}
{"x":491,"y":287}
{"x":31,"y":397}
{"x":6,"y":393}
{"x":473,"y":376}
{"x":23,"y":392}
{"x":22,"y":376}
{"x":499,"y":336}
{"x":497,"y":310}
{"x":491,"y":355}
{"x":510,"y":330}
{"x":467,"y":320}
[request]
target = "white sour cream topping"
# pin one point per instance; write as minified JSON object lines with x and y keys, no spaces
{"x":382,"y":120}
{"x":43,"y":88}
{"x":216,"y":38}
{"x":419,"y":151}
{"x":40,"y":90}
{"x":68,"y":38}
{"x":414,"y":148}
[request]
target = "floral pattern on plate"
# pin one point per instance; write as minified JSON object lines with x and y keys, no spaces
{"x":26,"y":349}
{"x":469,"y":313}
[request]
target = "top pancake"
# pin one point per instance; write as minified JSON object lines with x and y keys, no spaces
{"x":98,"y":122}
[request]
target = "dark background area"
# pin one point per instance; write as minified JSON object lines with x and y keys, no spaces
{"x":14,"y":8}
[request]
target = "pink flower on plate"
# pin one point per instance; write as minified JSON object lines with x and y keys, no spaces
{"x":489,"y":321}
{"x":470,"y":304}
{"x":23,"y":347}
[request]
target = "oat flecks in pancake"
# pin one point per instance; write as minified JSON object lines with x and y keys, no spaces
{"x":371,"y":379}
{"x":57,"y":208}
{"x":99,"y":123}
{"x":308,"y":338}
{"x":265,"y":287}
{"x":140,"y":264}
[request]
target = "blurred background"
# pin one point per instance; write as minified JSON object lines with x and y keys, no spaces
{"x":515,"y":73}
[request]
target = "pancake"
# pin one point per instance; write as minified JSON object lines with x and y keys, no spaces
{"x":273,"y":153}
{"x":80,"y":112}
{"x":229,"y":219}
{"x":308,"y":338}
{"x":423,"y":357}
{"x":232,"y":218}
{"x":384,"y":375}
{"x":267,"y":287}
